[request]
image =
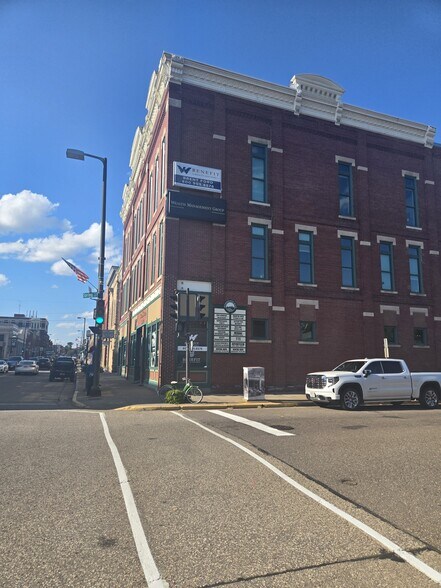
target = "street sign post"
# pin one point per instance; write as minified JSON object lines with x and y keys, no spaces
{"x":92,"y":295}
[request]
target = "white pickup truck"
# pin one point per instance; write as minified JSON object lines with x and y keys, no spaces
{"x":360,"y":381}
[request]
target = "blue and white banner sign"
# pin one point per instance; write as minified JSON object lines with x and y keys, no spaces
{"x":197,"y":177}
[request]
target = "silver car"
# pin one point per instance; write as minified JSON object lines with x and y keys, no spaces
{"x":3,"y":366}
{"x":26,"y":366}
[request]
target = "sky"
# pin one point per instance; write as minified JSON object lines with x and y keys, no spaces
{"x":75,"y":74}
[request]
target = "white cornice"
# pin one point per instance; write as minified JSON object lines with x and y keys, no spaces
{"x":308,"y":94}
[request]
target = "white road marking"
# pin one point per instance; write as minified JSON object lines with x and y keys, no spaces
{"x":254,"y":424}
{"x":387,"y":543}
{"x":150,"y":570}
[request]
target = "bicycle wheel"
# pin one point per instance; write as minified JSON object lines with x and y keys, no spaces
{"x":162,"y":391}
{"x":194,"y":394}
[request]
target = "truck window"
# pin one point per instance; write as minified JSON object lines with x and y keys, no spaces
{"x":392,"y":367}
{"x":375,"y":367}
{"x":349,"y":366}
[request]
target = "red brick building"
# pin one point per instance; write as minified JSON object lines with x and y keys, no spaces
{"x":314,"y":219}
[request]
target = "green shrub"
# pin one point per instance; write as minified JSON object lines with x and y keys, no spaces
{"x":174,"y":396}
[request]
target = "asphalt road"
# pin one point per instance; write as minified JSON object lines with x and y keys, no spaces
{"x":34,"y":392}
{"x":211,"y":513}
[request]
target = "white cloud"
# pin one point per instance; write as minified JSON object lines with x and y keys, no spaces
{"x":66,"y":325}
{"x":87,"y":314}
{"x":69,"y":244}
{"x":27,"y":212}
{"x":54,"y":286}
{"x":4,"y":280}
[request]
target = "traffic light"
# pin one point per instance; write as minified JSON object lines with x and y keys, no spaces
{"x":174,"y":306}
{"x":98,"y":313}
{"x":200,"y":306}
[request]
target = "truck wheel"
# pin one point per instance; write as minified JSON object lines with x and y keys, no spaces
{"x":350,"y":399}
{"x":429,"y":397}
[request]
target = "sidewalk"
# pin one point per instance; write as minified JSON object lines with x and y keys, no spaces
{"x":120,"y":394}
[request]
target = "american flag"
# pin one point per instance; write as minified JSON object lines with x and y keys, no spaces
{"x":82,"y":277}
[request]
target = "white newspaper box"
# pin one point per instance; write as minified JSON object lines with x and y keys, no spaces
{"x":254,"y":383}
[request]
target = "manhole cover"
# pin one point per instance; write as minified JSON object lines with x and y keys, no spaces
{"x":282,"y":427}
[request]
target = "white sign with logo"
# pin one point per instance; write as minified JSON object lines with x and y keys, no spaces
{"x":197,"y":177}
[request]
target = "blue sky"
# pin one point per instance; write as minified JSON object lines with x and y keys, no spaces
{"x":75,"y":73}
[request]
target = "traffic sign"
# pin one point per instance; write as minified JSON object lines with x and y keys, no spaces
{"x":108,"y":333}
{"x":90,"y":295}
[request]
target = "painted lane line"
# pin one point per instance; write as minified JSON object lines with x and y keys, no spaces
{"x":387,"y":543}
{"x":254,"y":424}
{"x":150,"y":570}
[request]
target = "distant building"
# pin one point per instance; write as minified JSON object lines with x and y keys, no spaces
{"x":111,"y":300}
{"x":311,"y":227}
{"x":23,"y":335}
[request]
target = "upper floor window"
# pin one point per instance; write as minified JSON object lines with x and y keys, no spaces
{"x":147,"y":267}
{"x":153,"y":260}
{"x":163,"y":166}
{"x":259,"y":171}
{"x":161,"y":247}
{"x":347,"y":262}
{"x":259,"y":252}
{"x":416,"y":281}
{"x":410,"y":189}
{"x":306,"y":267}
{"x":386,"y":263}
{"x":346,"y":197}
{"x":157,"y":180}
{"x":150,"y":198}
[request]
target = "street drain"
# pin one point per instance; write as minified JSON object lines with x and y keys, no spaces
{"x":349,"y":482}
{"x":355,"y":427}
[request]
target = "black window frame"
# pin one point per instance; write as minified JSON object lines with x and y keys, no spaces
{"x":390,"y":272}
{"x":265,"y":324}
{"x":256,"y":147}
{"x":351,"y":240}
{"x":309,"y":243}
{"x":391,"y":340}
{"x":414,"y":253}
{"x":412,"y":209}
{"x":256,"y":238}
{"x":424,"y":341}
{"x":345,"y":171}
{"x":313,"y":331}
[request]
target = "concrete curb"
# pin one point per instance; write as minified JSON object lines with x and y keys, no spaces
{"x":219,"y":406}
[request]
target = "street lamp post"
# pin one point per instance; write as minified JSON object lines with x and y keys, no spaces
{"x":76,"y":154}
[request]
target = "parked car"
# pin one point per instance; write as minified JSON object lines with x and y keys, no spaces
{"x":13,"y":360}
{"x":44,"y":363}
{"x":3,"y":366}
{"x":63,"y":367}
{"x":26,"y":367}
{"x":362,"y":381}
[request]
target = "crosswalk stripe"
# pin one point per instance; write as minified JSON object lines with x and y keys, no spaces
{"x":254,"y":424}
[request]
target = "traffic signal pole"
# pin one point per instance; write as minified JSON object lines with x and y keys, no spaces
{"x":96,"y":389}
{"x":187,"y":340}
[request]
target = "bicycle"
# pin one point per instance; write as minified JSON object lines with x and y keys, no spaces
{"x":192,"y":393}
